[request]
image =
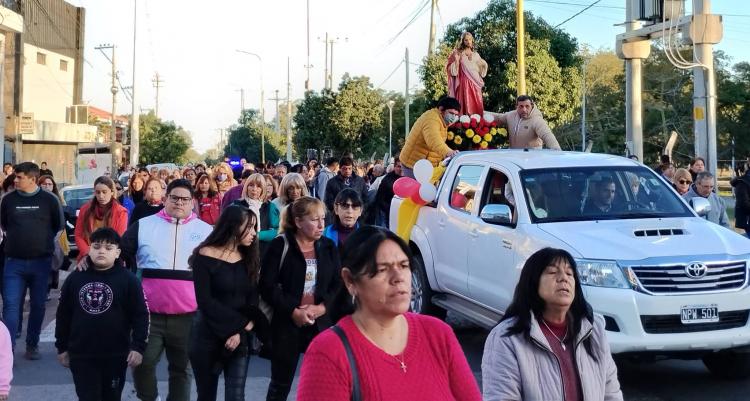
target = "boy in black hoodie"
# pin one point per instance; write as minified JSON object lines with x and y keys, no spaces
{"x":102,"y":321}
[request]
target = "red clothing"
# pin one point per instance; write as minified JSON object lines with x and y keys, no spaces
{"x":209,"y":209}
{"x":118,"y":222}
{"x":436,"y":368}
{"x":571,"y":381}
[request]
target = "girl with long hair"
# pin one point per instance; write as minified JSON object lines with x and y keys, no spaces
{"x":102,"y":211}
{"x":224,"y":178}
{"x":299,"y":278}
{"x":136,"y":188}
{"x":207,"y":199}
{"x":226,"y":268}
{"x":272,"y":187}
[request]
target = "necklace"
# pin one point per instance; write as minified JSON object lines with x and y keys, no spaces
{"x":402,"y":361}
{"x":562,"y":342}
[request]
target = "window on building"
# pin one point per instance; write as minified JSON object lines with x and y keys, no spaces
{"x":63,"y":65}
{"x":41,"y":58}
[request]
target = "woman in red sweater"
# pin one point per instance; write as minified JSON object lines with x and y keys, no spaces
{"x":102,"y":211}
{"x":399,"y":355}
{"x":207,"y":199}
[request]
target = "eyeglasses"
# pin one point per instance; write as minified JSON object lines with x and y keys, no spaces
{"x":179,"y":199}
{"x":683,"y":182}
{"x":349,"y":206}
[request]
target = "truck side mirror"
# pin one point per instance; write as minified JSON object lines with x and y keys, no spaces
{"x":700,"y":205}
{"x":496,"y":214}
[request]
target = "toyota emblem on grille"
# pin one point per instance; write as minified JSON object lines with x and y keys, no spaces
{"x":696,"y":270}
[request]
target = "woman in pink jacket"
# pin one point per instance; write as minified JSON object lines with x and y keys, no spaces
{"x":398,"y":355}
{"x":6,"y":362}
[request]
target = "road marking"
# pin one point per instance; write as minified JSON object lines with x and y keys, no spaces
{"x":48,"y":334}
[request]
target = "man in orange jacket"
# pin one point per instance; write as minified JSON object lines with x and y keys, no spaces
{"x":427,"y":137}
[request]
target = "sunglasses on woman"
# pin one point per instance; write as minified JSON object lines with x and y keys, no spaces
{"x":683,"y":182}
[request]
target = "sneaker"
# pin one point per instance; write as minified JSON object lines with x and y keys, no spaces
{"x":32,"y":354}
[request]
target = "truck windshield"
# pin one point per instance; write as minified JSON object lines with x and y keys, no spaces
{"x":599,"y":193}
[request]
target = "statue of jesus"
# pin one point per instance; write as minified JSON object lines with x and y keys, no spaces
{"x":465,"y":72}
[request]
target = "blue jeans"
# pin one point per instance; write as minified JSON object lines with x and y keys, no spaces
{"x":20,"y":274}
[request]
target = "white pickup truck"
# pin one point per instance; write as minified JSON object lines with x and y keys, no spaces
{"x":668,"y":282}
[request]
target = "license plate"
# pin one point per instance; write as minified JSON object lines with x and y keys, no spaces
{"x":690,"y":314}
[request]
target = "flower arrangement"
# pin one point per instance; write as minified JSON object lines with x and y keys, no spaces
{"x":476,"y":132}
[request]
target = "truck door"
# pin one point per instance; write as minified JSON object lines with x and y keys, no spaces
{"x":492,"y":247}
{"x":452,"y":227}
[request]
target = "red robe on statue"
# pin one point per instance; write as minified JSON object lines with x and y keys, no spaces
{"x":465,"y":81}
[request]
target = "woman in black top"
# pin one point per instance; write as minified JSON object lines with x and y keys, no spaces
{"x":299,"y":278}
{"x":153,"y":201}
{"x":225,"y":274}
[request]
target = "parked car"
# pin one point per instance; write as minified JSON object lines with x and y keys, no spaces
{"x":668,"y":282}
{"x":75,"y":196}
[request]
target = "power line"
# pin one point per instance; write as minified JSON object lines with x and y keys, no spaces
{"x":575,"y":4}
{"x":577,"y":14}
{"x":419,"y":13}
{"x":391,"y":74}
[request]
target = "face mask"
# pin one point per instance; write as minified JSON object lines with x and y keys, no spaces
{"x":222,"y":177}
{"x":450,"y":118}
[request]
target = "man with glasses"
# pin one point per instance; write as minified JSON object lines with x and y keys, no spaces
{"x":31,"y":219}
{"x":704,"y":187}
{"x":159,"y":247}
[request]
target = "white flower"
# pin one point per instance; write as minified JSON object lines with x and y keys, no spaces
{"x":476,"y":117}
{"x":489,"y":117}
{"x":464,"y":119}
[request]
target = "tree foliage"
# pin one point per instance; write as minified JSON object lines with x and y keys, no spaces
{"x":245,"y":138}
{"x":161,"y":141}
{"x":494,"y":29}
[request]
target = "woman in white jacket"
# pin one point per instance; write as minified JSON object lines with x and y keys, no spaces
{"x":549,"y":345}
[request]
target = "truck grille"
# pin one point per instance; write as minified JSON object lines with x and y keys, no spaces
{"x":667,"y":324}
{"x":673,"y":279}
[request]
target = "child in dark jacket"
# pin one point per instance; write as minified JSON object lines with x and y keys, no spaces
{"x":102,"y":321}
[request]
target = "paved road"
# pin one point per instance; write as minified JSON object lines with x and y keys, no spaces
{"x":661,"y":381}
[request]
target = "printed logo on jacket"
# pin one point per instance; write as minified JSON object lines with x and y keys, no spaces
{"x":95,"y":298}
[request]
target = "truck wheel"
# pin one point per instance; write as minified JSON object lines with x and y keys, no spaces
{"x":421,"y":293}
{"x":728,"y":364}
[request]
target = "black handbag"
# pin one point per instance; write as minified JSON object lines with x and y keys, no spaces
{"x":356,"y":391}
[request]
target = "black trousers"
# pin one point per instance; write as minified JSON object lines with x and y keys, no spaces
{"x":288,"y":343}
{"x":209,"y":359}
{"x":99,"y":379}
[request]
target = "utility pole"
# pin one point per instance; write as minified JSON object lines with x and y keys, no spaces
{"x":242,"y":101}
{"x":583,"y":110}
{"x":308,"y":65}
{"x":325,"y":85}
{"x":113,"y":89}
{"x":406,"y":95}
{"x":289,"y":109}
{"x":135,"y":115}
{"x":431,"y":43}
{"x":262,"y":109}
{"x":705,"y":32}
{"x":157,"y":84}
{"x":278,"y":121}
{"x":390,"y":129}
{"x":520,"y":49}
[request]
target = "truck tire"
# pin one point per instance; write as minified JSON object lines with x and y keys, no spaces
{"x":421,"y":293}
{"x":728,"y":364}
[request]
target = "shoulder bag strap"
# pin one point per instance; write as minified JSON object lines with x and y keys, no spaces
{"x":356,"y":392}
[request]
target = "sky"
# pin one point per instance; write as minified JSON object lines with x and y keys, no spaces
{"x":193,"y":46}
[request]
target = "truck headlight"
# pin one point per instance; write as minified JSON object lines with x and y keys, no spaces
{"x":601,"y":273}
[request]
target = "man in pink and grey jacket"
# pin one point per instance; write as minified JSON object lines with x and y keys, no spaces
{"x":159,"y":247}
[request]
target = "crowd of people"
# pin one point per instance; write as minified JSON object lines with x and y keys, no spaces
{"x":211,"y":265}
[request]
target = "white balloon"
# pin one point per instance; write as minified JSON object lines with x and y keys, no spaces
{"x":427,"y":192}
{"x":489,"y":117}
{"x":423,"y":171}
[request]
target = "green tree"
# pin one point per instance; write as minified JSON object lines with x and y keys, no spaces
{"x":162,"y":142}
{"x":315,"y":128}
{"x":494,"y":30}
{"x":358,"y":109}
{"x":245,"y":138}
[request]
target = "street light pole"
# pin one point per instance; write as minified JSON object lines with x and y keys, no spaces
{"x":390,"y":127}
{"x":135,"y":139}
{"x":113,"y":133}
{"x":262,"y":109}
